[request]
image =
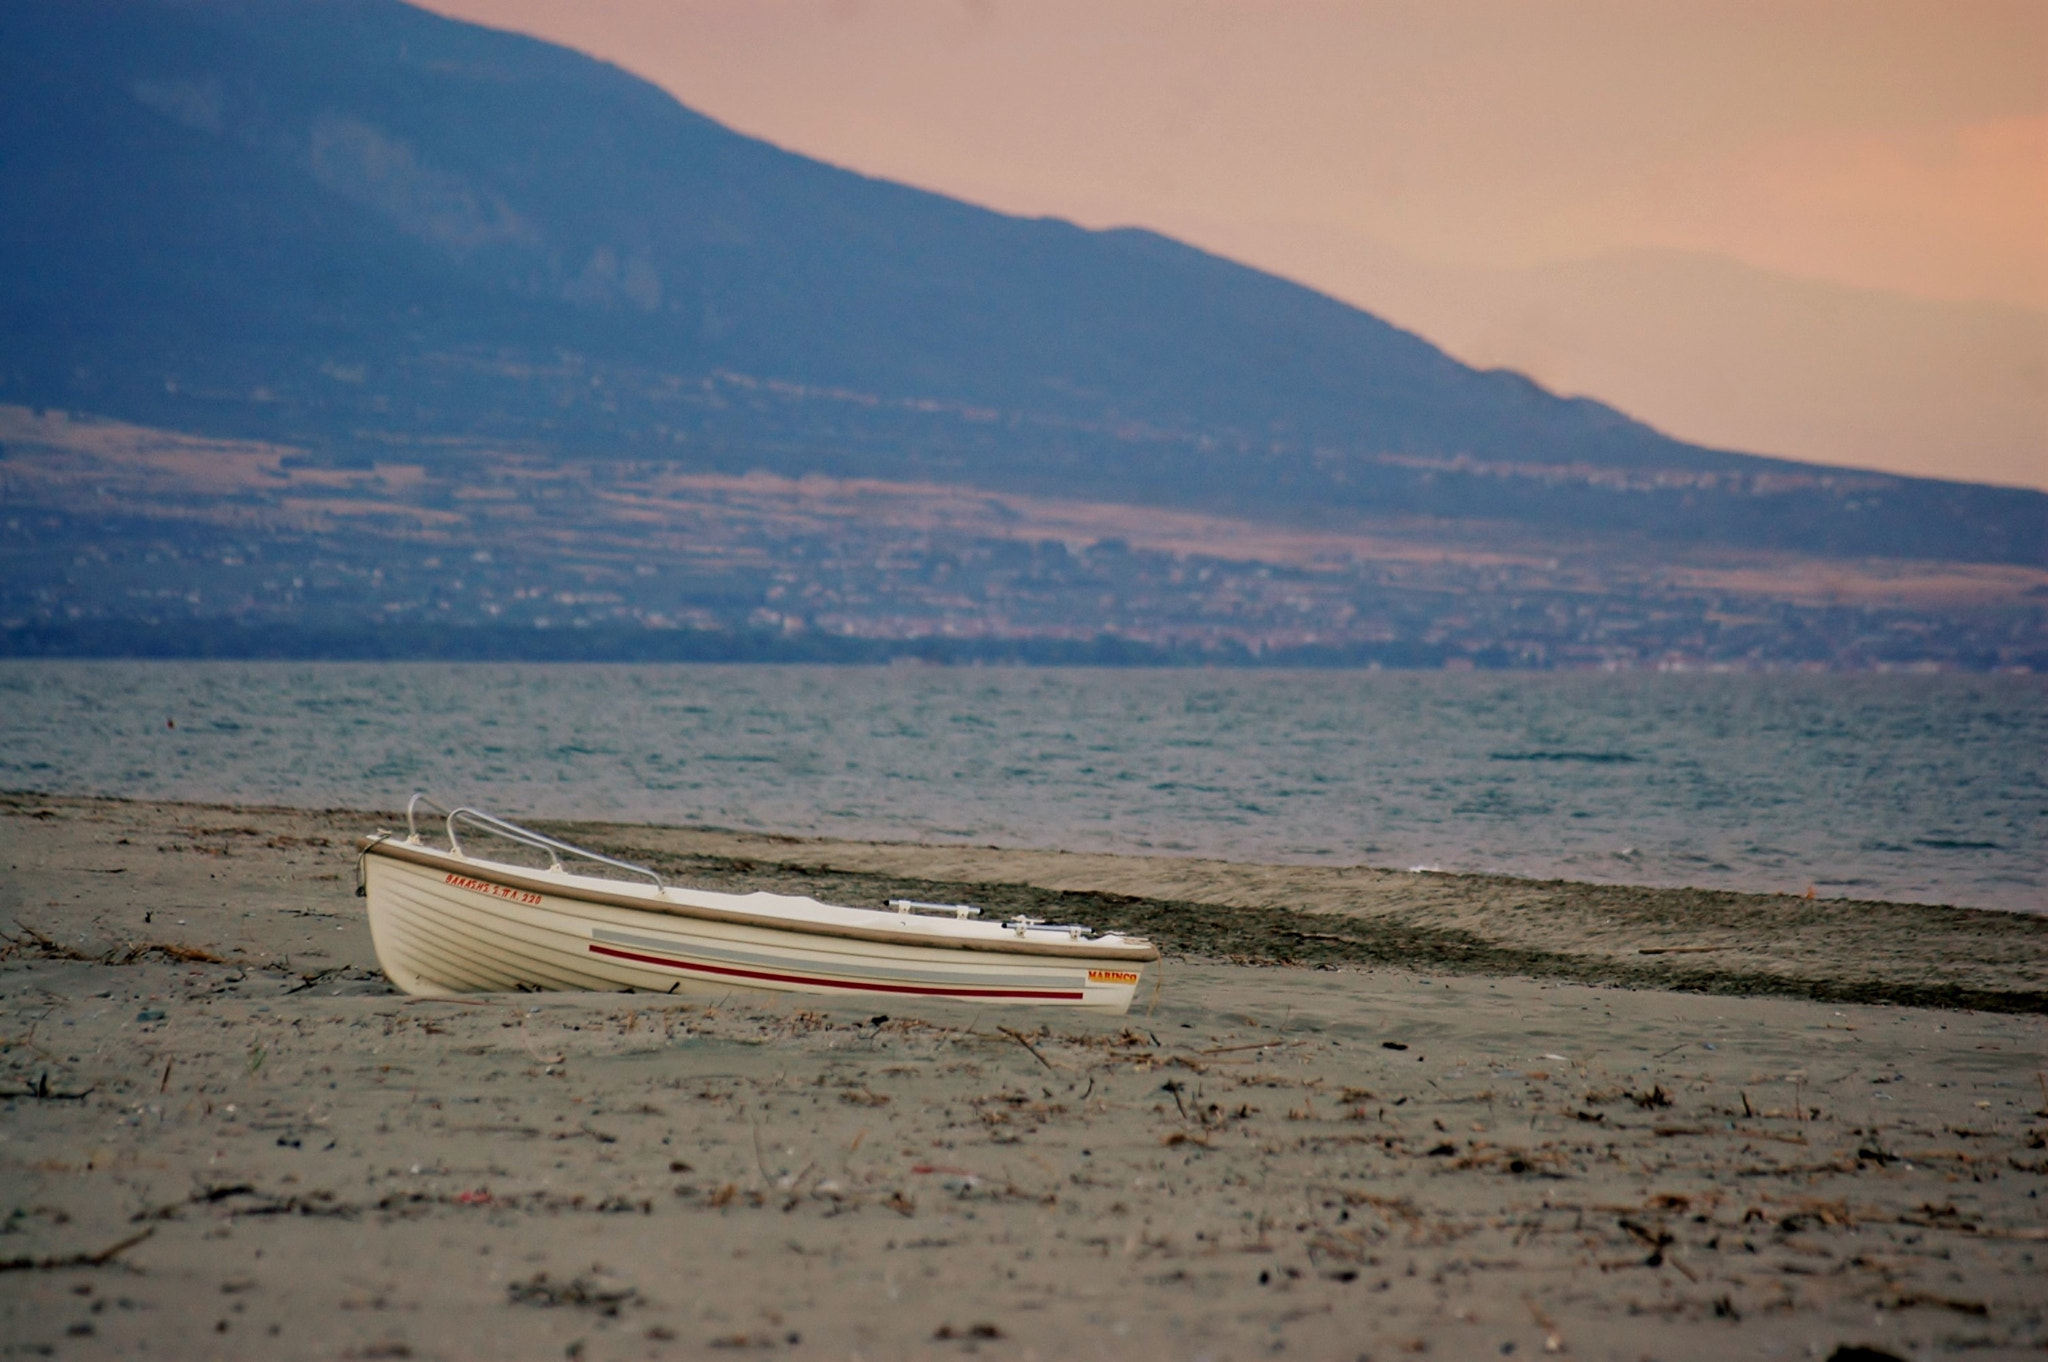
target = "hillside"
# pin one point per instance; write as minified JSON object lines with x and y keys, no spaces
{"x":122,"y":540}
{"x":356,"y":228}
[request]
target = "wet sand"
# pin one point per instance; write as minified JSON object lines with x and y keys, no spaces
{"x":1363,"y":1114}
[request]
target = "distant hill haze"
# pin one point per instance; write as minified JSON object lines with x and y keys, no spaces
{"x":1729,"y":354}
{"x":351,"y":225}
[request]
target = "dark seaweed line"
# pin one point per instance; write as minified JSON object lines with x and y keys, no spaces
{"x":1271,"y":936}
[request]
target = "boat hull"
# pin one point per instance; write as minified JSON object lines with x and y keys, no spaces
{"x":464,"y":927}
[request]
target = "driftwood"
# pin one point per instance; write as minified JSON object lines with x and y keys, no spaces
{"x":59,"y":1264}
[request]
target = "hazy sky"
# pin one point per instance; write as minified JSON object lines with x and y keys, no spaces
{"x":1409,"y":151}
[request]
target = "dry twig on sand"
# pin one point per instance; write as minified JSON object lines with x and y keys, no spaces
{"x":1019,"y":1037}
{"x":59,"y":1264}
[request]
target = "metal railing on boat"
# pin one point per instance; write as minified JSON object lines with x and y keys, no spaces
{"x":555,"y":847}
{"x":958,"y":910}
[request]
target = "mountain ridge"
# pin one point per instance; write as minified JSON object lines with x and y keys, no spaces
{"x":1764,"y":362}
{"x":351,"y":223}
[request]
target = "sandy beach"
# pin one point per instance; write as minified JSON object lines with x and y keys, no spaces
{"x":1355,"y":1114}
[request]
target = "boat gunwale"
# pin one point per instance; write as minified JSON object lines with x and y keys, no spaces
{"x":519,"y":877}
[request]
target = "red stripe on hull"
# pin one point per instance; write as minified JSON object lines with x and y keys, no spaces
{"x":830,"y":983}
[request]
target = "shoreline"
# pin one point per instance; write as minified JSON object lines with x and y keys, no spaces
{"x":1696,"y":940}
{"x":1692,"y":940}
{"x":223,"y":1133}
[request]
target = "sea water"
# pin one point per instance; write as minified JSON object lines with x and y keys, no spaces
{"x":1916,"y":788}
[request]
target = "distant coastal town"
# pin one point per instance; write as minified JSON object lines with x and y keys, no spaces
{"x":119,"y":540}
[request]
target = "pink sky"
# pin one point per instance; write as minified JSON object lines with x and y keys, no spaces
{"x":1364,"y":147}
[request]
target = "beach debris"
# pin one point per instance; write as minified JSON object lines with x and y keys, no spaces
{"x":1657,"y":1240}
{"x":321,"y":1203}
{"x":1553,"y":1341}
{"x":972,"y":1331}
{"x":1324,"y":936}
{"x":1908,"y":1299}
{"x":59,"y":1263}
{"x":1260,"y":1045}
{"x":1022,"y":1040}
{"x":41,"y":1091}
{"x":577,"y":1293}
{"x":946,"y":1170}
{"x":49,"y":948}
{"x":316,"y":978}
{"x":169,"y":950}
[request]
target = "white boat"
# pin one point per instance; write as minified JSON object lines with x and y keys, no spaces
{"x":446,"y":921}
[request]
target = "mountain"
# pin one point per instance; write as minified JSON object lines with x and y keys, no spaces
{"x":1756,"y":360}
{"x":352,"y":225}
